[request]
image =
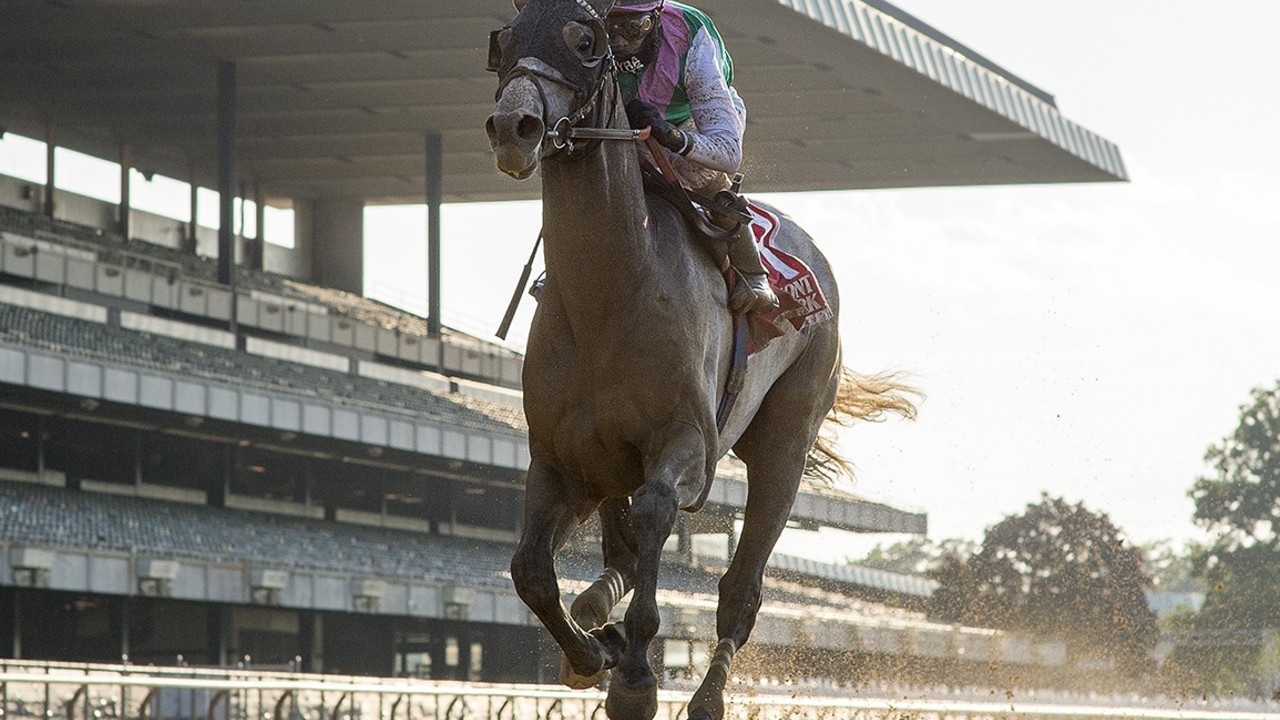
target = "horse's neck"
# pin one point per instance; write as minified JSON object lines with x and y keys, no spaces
{"x":598,"y":244}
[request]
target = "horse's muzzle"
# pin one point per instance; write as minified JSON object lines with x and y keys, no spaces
{"x":516,"y":139}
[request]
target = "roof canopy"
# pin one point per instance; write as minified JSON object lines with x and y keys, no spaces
{"x":335,"y":97}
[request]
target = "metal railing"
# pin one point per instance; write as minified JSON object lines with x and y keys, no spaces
{"x":79,"y":692}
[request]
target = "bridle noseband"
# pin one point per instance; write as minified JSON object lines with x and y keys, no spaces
{"x":562,"y":133}
{"x":565,"y":130}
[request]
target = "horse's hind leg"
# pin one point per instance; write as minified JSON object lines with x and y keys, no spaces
{"x":591,"y":609}
{"x":774,"y":449}
{"x":553,"y":508}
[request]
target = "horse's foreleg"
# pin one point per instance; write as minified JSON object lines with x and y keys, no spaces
{"x":552,"y":510}
{"x":774,"y":448}
{"x":633,"y":692}
{"x":591,"y":609}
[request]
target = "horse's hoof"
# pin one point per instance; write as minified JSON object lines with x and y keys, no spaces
{"x":704,"y":713}
{"x":628,"y":703}
{"x":579,"y":682}
{"x":707,"y":702}
{"x":709,"y":711}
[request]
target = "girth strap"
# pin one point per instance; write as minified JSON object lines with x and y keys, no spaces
{"x":737,"y":368}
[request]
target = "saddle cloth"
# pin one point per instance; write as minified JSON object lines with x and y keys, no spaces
{"x":801,"y":302}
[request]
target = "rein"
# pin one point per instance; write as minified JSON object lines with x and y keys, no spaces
{"x":563,"y":132}
{"x":561,"y":135}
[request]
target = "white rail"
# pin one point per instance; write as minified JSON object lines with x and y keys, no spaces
{"x":61,"y":694}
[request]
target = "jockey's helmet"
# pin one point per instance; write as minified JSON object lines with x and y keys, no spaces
{"x":631,"y":26}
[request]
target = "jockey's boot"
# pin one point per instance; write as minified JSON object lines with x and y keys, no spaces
{"x":752,"y":294}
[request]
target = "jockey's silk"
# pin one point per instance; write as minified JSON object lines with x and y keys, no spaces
{"x":690,"y":82}
{"x":662,"y":82}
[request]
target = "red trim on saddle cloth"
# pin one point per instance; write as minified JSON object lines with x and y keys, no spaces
{"x":801,"y":302}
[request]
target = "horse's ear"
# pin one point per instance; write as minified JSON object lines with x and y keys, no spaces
{"x":520,"y":4}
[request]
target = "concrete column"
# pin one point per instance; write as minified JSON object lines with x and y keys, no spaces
{"x":124,"y":630}
{"x":126,"y":178}
{"x":43,"y":430}
{"x":139,"y":458}
{"x":190,"y":245}
{"x":435,"y":172}
{"x":337,"y":256}
{"x":226,"y":170}
{"x":242,"y":240}
{"x":304,"y":265}
{"x":316,"y":664}
{"x":49,"y":184}
{"x":17,"y":624}
{"x":260,"y":219}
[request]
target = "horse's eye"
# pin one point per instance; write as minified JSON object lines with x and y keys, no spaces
{"x":580,"y":38}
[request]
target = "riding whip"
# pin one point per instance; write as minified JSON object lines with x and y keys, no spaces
{"x":515,"y":298}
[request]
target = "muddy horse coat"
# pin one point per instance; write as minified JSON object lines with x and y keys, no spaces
{"x":626,"y":359}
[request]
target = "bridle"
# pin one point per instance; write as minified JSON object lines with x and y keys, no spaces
{"x":597,"y":104}
{"x":562,"y":133}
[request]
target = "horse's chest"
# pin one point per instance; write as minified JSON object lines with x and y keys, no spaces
{"x":595,"y":441}
{"x":601,"y":444}
{"x":596,"y":415}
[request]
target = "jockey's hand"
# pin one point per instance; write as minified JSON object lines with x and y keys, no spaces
{"x":641,"y":114}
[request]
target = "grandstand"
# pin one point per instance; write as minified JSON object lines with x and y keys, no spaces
{"x":230,"y":463}
{"x":152,"y":454}
{"x":216,"y":494}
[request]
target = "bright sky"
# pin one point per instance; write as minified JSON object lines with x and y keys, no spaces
{"x":1085,"y":341}
{"x":24,"y":158}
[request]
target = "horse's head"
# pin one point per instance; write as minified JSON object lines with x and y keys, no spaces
{"x":553,"y":63}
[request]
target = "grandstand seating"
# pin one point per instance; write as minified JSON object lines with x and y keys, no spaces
{"x":100,"y":341}
{"x":61,"y":518}
{"x":460,"y":354}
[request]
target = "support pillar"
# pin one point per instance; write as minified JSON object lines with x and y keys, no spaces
{"x":337,"y":252}
{"x":315,"y":646}
{"x":193,"y":224}
{"x":226,"y":171}
{"x":126,"y":178}
{"x":43,"y":431}
{"x":49,"y":146}
{"x":17,"y":624}
{"x":260,"y":220}
{"x":242,"y":237}
{"x":124,"y":631}
{"x":435,"y":172}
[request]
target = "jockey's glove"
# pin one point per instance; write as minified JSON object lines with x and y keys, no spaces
{"x":641,"y":114}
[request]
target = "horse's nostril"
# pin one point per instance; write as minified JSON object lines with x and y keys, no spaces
{"x":530,"y":128}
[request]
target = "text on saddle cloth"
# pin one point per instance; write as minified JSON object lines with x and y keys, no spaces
{"x":801,"y":301}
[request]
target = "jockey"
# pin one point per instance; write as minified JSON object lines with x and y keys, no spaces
{"x":678,"y":79}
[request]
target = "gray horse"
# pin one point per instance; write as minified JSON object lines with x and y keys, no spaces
{"x":627,"y":356}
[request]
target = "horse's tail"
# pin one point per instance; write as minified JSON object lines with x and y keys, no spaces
{"x":859,"y":397}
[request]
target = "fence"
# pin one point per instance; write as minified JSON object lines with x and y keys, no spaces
{"x":81,"y":692}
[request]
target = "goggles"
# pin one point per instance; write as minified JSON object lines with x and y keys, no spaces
{"x":631,"y":27}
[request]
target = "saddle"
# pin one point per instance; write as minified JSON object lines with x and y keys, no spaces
{"x":716,"y":220}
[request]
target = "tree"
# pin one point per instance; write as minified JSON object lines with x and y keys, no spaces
{"x":1239,"y":504}
{"x":1172,"y":567}
{"x":1057,"y":571}
{"x":916,"y":555}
